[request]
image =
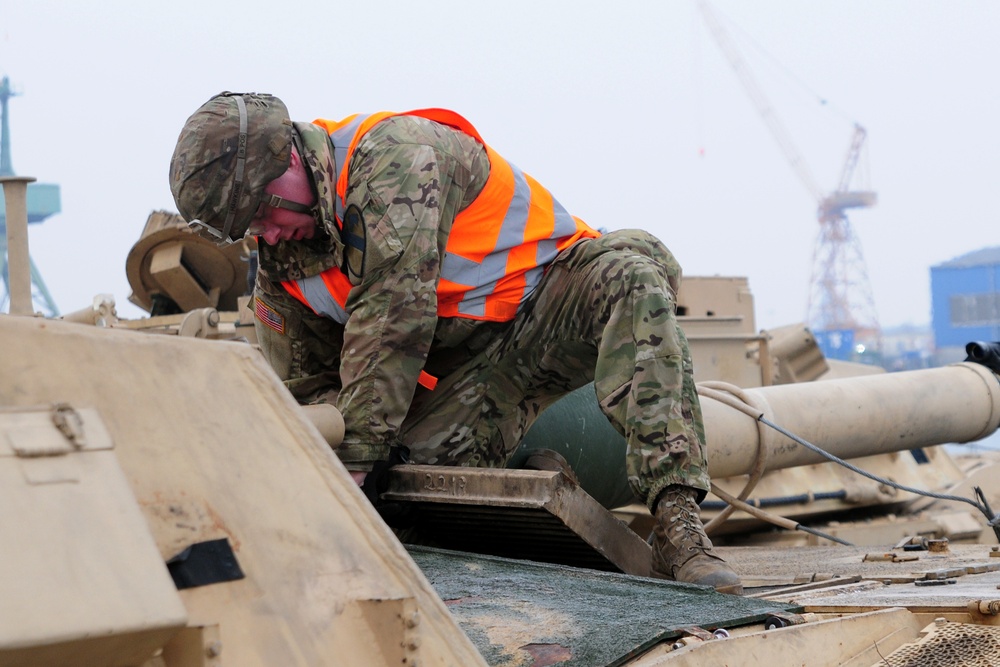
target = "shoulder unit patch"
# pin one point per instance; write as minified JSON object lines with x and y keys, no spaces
{"x":354,"y":237}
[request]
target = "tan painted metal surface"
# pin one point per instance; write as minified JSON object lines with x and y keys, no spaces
{"x":327,"y":420}
{"x":15,"y":189}
{"x":81,"y":581}
{"x":855,"y":641}
{"x":827,"y":478}
{"x":170,"y":261}
{"x":101,"y":312}
{"x":213,"y":446}
{"x":854,"y":417}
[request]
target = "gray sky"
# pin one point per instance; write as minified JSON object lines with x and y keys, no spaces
{"x":627,"y":111}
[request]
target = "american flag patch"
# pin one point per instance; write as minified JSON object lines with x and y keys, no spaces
{"x":269,"y":316}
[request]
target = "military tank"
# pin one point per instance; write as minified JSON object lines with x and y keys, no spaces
{"x":167,"y":502}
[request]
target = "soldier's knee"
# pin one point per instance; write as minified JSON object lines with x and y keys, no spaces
{"x":642,"y":242}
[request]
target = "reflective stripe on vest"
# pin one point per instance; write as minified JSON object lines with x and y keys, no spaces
{"x":488,"y":269}
{"x":325,"y":294}
{"x":344,"y":136}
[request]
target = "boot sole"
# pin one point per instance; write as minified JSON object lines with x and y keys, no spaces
{"x":733,"y":589}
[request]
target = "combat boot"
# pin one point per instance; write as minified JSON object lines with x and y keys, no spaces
{"x":682,"y":550}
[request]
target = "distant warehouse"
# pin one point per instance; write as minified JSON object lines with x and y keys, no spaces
{"x":965,"y":302}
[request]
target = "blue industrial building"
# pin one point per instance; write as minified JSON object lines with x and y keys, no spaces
{"x":965,"y":301}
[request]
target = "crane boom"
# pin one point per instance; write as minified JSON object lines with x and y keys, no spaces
{"x":853,"y":153}
{"x":832,"y":206}
{"x":760,"y":101}
{"x":840,"y":295}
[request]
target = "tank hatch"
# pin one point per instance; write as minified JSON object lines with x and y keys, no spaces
{"x":537,"y":515}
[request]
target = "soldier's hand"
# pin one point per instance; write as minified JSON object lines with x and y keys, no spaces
{"x":376,"y":482}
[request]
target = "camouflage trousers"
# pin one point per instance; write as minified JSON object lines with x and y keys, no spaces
{"x":604,"y":312}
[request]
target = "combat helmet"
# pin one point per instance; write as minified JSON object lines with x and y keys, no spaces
{"x":227,"y":152}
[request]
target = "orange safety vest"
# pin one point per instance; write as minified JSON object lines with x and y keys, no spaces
{"x":498,"y":247}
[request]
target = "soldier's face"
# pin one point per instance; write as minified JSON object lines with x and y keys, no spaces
{"x":279,"y":224}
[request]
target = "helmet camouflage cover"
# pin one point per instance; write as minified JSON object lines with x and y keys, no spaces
{"x":227,"y":152}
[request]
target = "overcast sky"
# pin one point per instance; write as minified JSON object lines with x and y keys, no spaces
{"x":627,"y":111}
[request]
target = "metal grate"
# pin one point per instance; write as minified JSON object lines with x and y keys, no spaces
{"x":948,"y":644}
{"x":524,"y":514}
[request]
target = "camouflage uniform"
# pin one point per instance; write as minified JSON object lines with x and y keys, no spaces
{"x":604,"y":312}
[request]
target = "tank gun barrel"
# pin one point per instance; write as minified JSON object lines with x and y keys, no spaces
{"x":852,"y":417}
{"x":848,"y":417}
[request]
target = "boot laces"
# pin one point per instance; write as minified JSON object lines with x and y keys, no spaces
{"x":685,"y":525}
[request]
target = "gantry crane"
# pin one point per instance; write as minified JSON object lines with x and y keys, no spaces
{"x":840,"y":300}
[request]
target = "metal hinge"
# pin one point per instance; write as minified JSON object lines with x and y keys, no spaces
{"x":69,"y":423}
{"x":51,"y":430}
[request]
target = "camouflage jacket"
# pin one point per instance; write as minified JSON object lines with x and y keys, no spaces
{"x":409,"y":177}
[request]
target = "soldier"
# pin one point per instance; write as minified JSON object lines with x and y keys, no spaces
{"x":441,"y":299}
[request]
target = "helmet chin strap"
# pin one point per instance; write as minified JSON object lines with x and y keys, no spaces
{"x":279,"y":202}
{"x":241,"y":160}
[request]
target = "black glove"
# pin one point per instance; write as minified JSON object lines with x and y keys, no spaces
{"x":376,"y":483}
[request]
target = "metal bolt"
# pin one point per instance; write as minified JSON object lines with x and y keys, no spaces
{"x":213,"y":649}
{"x":684,"y":641}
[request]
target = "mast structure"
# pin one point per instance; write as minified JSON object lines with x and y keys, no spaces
{"x":6,"y":167}
{"x":42,"y":201}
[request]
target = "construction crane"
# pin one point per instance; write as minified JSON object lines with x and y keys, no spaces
{"x":840,"y":296}
{"x":840,"y":309}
